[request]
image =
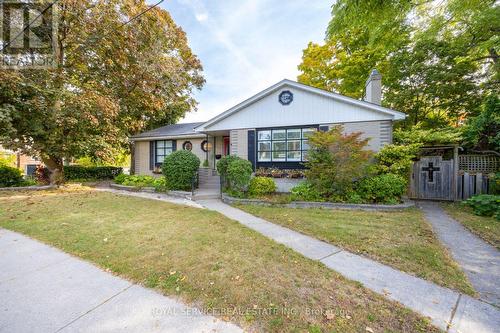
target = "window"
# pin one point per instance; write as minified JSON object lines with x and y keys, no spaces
{"x":163,"y":148}
{"x":283,"y":145}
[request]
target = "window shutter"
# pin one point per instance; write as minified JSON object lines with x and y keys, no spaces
{"x":324,"y":128}
{"x":151,"y":155}
{"x":251,"y":147}
{"x":174,"y":145}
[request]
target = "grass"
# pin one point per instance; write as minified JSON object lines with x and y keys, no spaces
{"x":402,"y":239}
{"x":488,"y":228}
{"x":206,"y":260}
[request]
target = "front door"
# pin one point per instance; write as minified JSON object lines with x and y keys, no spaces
{"x":226,"y":145}
{"x":432,"y":178}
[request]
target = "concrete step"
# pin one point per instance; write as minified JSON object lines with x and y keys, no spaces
{"x":206,"y":196}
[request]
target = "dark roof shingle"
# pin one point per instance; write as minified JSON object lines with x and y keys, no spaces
{"x":169,"y":130}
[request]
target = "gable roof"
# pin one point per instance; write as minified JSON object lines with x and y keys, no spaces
{"x":396,"y":115}
{"x":170,"y":131}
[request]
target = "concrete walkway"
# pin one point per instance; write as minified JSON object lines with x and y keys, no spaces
{"x":43,"y":289}
{"x":479,"y":260}
{"x":446,"y":308}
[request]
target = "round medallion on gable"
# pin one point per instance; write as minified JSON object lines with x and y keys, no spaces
{"x":285,"y":97}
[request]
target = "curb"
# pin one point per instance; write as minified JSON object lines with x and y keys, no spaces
{"x":326,"y":205}
{"x":28,"y":188}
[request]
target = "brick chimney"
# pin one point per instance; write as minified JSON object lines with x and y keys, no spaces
{"x":373,"y":88}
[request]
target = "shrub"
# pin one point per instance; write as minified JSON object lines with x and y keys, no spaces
{"x":135,"y":180}
{"x":305,"y":192}
{"x":386,"y":188}
{"x":396,"y":159}
{"x":223,"y":164}
{"x":10,"y":176}
{"x":261,"y":186}
{"x":180,"y":168}
{"x":161,"y":184}
{"x":485,"y":205}
{"x":335,"y":160}
{"x":495,"y":183}
{"x":42,"y":175}
{"x":239,"y":173}
{"x":78,"y":172}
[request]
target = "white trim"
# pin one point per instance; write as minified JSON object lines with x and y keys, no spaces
{"x":396,"y":115}
{"x":169,"y":137}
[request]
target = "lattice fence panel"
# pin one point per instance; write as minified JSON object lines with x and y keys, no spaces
{"x":479,"y":163}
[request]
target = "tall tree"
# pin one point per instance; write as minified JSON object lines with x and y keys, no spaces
{"x":438,"y":58}
{"x":114,"y":78}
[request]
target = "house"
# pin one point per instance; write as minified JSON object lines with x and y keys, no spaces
{"x":270,"y":128}
{"x":26,"y":163}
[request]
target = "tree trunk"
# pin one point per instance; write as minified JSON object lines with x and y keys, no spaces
{"x":132,"y":158}
{"x":55,"y":166}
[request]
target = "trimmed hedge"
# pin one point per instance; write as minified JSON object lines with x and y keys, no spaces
{"x":10,"y":176}
{"x":76,"y":172}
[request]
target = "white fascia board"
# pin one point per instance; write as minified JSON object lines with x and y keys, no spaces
{"x":169,"y":137}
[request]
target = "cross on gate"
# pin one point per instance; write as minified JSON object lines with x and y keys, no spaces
{"x":430,"y":170}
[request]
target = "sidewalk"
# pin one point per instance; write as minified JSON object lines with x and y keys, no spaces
{"x":479,"y":260}
{"x":446,"y":308}
{"x":43,"y":289}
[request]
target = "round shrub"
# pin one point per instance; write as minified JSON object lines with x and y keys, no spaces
{"x":239,"y":173}
{"x":10,"y":176}
{"x":223,"y":164}
{"x":179,"y":168}
{"x":261,"y":186}
{"x":386,"y":188}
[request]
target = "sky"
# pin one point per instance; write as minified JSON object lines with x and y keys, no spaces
{"x":246,"y":46}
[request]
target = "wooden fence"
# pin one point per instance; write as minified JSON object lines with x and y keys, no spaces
{"x":469,"y":184}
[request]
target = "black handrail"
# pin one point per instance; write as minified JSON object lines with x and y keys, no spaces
{"x":194,"y":182}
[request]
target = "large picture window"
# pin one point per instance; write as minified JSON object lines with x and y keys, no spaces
{"x":283,"y":145}
{"x":163,"y":148}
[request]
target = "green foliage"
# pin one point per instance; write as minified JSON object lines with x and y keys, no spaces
{"x":305,"y":191}
{"x":495,"y":183}
{"x":78,"y":172}
{"x":483,"y":132}
{"x":161,"y":184}
{"x":396,"y":159}
{"x":387,"y":188}
{"x":485,"y":205}
{"x":7,"y":159}
{"x":261,"y":186}
{"x":239,"y":173}
{"x":438,"y":59}
{"x":205,"y":163}
{"x":435,"y":136}
{"x":223,"y":164}
{"x":180,"y":168}
{"x":335,"y":160}
{"x":10,"y":176}
{"x":135,"y":180}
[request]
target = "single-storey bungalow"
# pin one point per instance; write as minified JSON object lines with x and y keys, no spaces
{"x":270,"y":128}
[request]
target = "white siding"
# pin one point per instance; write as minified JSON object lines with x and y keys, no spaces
{"x":379,"y":132}
{"x":307,"y":108}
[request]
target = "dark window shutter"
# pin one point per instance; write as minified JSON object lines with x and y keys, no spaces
{"x":151,"y":155}
{"x":251,"y":147}
{"x":174,"y":145}
{"x":324,"y":128}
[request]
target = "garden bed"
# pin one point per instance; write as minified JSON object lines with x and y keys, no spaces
{"x":311,"y":204}
{"x":147,"y":189}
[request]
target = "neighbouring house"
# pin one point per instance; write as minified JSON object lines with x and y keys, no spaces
{"x":26,"y":163}
{"x":270,"y":128}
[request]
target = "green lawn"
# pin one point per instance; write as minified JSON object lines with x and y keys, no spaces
{"x":401,"y":239}
{"x":206,"y":260}
{"x":488,"y":228}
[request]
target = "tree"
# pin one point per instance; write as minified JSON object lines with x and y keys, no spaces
{"x":483,"y":132}
{"x":438,"y":59}
{"x":335,"y":161}
{"x":113,"y":79}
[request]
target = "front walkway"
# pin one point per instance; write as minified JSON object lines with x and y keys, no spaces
{"x":43,"y":289}
{"x":479,"y":260}
{"x":445,"y":307}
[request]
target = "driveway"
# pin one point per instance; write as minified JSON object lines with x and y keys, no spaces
{"x":43,"y":289}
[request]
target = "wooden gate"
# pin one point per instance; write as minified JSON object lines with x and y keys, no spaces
{"x":433,"y":178}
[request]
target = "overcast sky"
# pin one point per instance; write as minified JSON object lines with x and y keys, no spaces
{"x":246,"y":45}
